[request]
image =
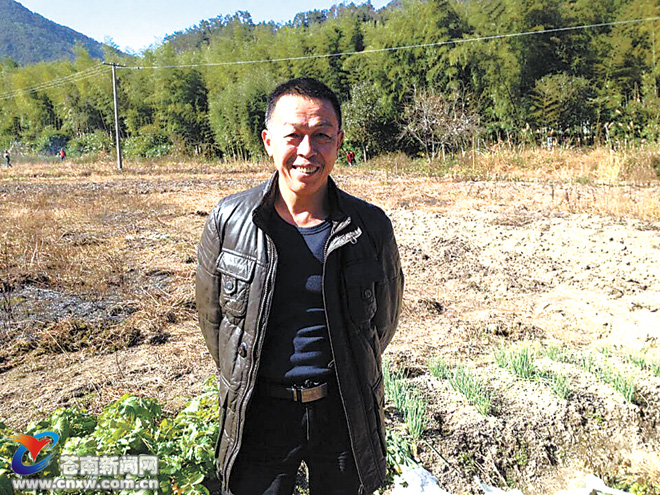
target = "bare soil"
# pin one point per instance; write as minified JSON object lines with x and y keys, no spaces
{"x":487,"y":263}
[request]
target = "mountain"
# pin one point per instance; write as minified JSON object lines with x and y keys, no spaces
{"x":200,"y":35}
{"x":28,"y":38}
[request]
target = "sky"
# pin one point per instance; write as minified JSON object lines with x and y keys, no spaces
{"x":134,"y":25}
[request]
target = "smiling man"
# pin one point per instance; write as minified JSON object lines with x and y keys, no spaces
{"x":299,"y":289}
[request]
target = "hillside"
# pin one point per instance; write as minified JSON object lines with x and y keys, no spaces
{"x":28,"y":38}
{"x":200,"y":35}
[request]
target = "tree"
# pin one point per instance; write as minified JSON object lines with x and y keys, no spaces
{"x":490,"y":70}
{"x":237,"y":115}
{"x":439,"y":122}
{"x":365,"y":120}
{"x":563,"y":105}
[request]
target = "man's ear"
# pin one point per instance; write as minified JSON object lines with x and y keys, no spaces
{"x":265,"y":137}
{"x":340,"y":140}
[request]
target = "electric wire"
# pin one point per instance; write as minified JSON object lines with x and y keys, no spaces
{"x":394,"y":48}
{"x":53,"y":83}
{"x":79,"y":76}
{"x":98,"y":69}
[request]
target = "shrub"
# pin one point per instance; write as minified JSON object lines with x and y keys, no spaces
{"x":51,"y":141}
{"x":95,"y":142}
{"x":150,"y":142}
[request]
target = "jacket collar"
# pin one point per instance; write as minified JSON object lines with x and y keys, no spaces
{"x":342,"y":233}
{"x":267,"y":204}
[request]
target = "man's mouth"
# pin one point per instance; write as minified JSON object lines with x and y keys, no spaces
{"x":306,"y":169}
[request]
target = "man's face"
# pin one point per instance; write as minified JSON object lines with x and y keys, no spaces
{"x":303,"y":138}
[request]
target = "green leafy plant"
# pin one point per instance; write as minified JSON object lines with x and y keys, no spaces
{"x":639,"y":359}
{"x":557,"y":353}
{"x":398,"y":454}
{"x":407,"y":400}
{"x":623,"y":383}
{"x":186,"y":443}
{"x":415,"y":414}
{"x":558,"y":383}
{"x":519,"y":361}
{"x":439,"y":368}
{"x":396,"y":388}
{"x":655,"y":369}
{"x":587,"y":363}
{"x":465,"y":382}
{"x":133,"y":425}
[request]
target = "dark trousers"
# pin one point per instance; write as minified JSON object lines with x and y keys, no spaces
{"x":279,"y":434}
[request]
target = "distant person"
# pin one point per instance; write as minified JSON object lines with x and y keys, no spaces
{"x":7,"y":158}
{"x":62,"y":154}
{"x":350,"y":157}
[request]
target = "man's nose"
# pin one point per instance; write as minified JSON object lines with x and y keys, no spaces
{"x":306,"y":146}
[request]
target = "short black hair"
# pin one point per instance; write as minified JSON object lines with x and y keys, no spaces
{"x":303,"y":86}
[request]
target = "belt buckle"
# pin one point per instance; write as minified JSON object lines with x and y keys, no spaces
{"x":304,"y":395}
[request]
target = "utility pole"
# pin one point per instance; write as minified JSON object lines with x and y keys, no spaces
{"x":114,"y":94}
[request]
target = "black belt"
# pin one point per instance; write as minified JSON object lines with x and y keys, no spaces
{"x":295,"y":393}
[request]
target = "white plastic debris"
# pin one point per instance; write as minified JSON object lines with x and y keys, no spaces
{"x":414,"y":480}
{"x":417,"y":480}
{"x":491,"y":490}
{"x":592,"y":485}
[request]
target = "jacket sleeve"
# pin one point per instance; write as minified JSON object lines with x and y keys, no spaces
{"x":389,"y":292}
{"x":207,"y":286}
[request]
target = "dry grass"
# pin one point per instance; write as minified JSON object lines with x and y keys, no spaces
{"x":595,"y":180}
{"x":592,"y":165}
{"x":122,"y":239}
{"x":88,"y":229}
{"x":125,"y":245}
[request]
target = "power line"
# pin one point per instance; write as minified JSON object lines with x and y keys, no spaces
{"x":98,"y":69}
{"x":407,"y":47}
{"x":78,"y":76}
{"x":60,"y":81}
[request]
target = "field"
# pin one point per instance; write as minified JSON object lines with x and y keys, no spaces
{"x":545,"y":258}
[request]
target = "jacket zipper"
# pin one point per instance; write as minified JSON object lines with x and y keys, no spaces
{"x":264,"y":311}
{"x":352,"y":238}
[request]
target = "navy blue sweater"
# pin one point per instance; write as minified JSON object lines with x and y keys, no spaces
{"x":297,"y":347}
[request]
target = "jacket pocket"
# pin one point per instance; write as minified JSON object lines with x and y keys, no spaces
{"x":361,"y":279}
{"x":236,"y":272}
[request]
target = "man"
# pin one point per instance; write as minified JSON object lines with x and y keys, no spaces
{"x":299,"y":289}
